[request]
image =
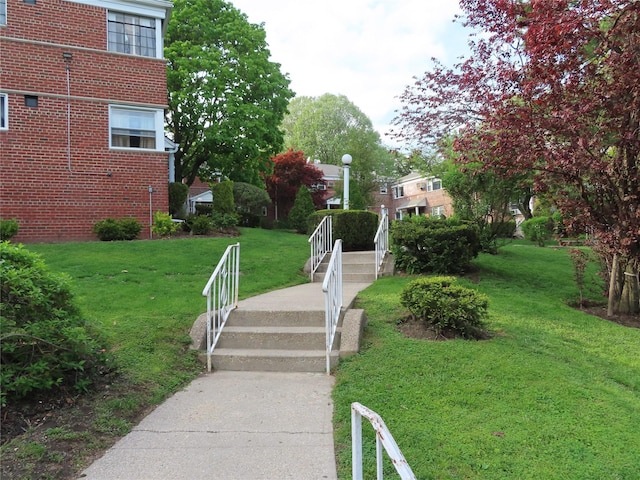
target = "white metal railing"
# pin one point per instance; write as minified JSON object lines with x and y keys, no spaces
{"x":321,"y":241}
{"x":381,"y":240}
{"x":222,"y":295}
{"x":332,"y":288}
{"x":383,"y":439}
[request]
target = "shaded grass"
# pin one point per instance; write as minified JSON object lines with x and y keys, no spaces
{"x":555,"y":394}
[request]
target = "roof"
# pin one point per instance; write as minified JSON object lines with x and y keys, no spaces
{"x":416,"y":202}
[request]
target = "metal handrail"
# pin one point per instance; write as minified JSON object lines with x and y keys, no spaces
{"x":320,"y":240}
{"x":332,"y":288}
{"x":222,"y":296}
{"x":383,"y":439}
{"x":381,"y":240}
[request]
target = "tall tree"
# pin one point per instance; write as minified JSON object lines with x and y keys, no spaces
{"x":329,"y":126}
{"x":552,"y":90}
{"x":290,"y":172}
{"x":226,"y":98}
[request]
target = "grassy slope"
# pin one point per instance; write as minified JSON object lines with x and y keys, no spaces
{"x":144,"y":296}
{"x":554,"y":395}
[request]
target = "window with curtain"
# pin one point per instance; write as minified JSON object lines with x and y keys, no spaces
{"x":133,"y":128}
{"x":132,"y":34}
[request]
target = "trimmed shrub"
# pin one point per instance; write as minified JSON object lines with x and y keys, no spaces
{"x":201,"y":225}
{"x":107,"y":230}
{"x":178,"y":193}
{"x":8,"y":229}
{"x":45,"y":341}
{"x":356,"y":228}
{"x":203,"y":209}
{"x":111,"y":229}
{"x":433,"y":245}
{"x":446,"y":306}
{"x":302,"y":208}
{"x":223,"y":197}
{"x":163,"y":224}
{"x":538,"y":229}
{"x":130,"y":228}
{"x":224,"y":221}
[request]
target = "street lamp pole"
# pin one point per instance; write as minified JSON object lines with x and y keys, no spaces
{"x":346,"y":161}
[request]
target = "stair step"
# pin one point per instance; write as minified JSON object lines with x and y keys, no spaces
{"x":283,"y":338}
{"x":289,"y":318}
{"x":271,"y":360}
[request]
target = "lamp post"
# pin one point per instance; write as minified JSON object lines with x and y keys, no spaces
{"x":346,"y":161}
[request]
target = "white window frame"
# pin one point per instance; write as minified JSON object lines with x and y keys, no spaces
{"x":398,"y":191}
{"x":3,"y":12}
{"x":158,"y":127}
{"x":431,"y":182}
{"x":158,"y":45}
{"x":437,"y":210}
{"x":4,"y":105}
{"x":383,"y":189}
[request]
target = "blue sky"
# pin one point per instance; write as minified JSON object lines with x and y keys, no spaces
{"x":368,"y":50}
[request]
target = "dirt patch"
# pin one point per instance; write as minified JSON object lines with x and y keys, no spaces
{"x":412,"y":327}
{"x":55,"y":436}
{"x":628,"y":320}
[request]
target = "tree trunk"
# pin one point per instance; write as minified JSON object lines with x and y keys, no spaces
{"x":612,"y":285}
{"x":630,"y":298}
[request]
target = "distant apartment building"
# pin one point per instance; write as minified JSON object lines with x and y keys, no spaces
{"x":82,"y":98}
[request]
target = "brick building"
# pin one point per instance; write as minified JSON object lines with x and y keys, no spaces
{"x":82,"y":98}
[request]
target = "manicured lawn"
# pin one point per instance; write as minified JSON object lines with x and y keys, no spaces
{"x":145,"y":295}
{"x":555,"y":394}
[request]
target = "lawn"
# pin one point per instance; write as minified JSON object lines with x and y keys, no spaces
{"x":555,"y":394}
{"x":143,"y":297}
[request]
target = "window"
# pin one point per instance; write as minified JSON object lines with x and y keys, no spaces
{"x":437,"y":211}
{"x":31,"y":101}
{"x":4,"y":111}
{"x":132,"y":34}
{"x":136,"y":128}
{"x":398,"y":192}
{"x":383,"y":188}
{"x":3,"y":12}
{"x":434,"y":184}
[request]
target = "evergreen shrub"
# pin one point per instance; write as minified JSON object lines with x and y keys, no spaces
{"x":8,"y":228}
{"x":178,"y":193}
{"x":111,"y":229}
{"x":45,"y":341}
{"x":356,"y":228}
{"x":446,"y":306}
{"x":433,"y":245}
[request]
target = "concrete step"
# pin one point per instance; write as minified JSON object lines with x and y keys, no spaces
{"x":358,"y":277}
{"x":275,"y":318}
{"x":271,"y":360}
{"x":277,"y":338}
{"x":349,"y":268}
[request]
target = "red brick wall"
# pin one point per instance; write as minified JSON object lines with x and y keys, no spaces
{"x":58,"y":190}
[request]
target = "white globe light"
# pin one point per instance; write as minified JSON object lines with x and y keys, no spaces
{"x":346,"y":159}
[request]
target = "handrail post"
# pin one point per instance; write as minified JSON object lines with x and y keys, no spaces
{"x":221,"y":292}
{"x":333,"y":294}
{"x":383,"y":439}
{"x":321,"y":241}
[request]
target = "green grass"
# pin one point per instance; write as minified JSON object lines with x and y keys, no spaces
{"x":555,"y":394}
{"x":144,"y":297}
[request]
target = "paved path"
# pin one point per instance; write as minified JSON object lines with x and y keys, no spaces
{"x":232,"y":426}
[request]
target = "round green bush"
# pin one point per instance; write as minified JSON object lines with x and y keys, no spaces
{"x":538,"y":229}
{"x":45,"y":341}
{"x":8,"y":228}
{"x":446,"y":306}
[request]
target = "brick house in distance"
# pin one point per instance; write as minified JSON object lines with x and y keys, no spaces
{"x":82,"y":98}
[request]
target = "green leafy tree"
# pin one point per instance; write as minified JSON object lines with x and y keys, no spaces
{"x":250,"y":200}
{"x":484,"y":198}
{"x":302,"y":208}
{"x":327,"y":127}
{"x":226,"y":98}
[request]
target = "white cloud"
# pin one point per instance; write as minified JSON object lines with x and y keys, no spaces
{"x":368,"y":50}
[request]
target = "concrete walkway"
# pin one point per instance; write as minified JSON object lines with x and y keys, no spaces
{"x":230,"y":425}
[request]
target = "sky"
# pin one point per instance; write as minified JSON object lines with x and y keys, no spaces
{"x":367,"y":50}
